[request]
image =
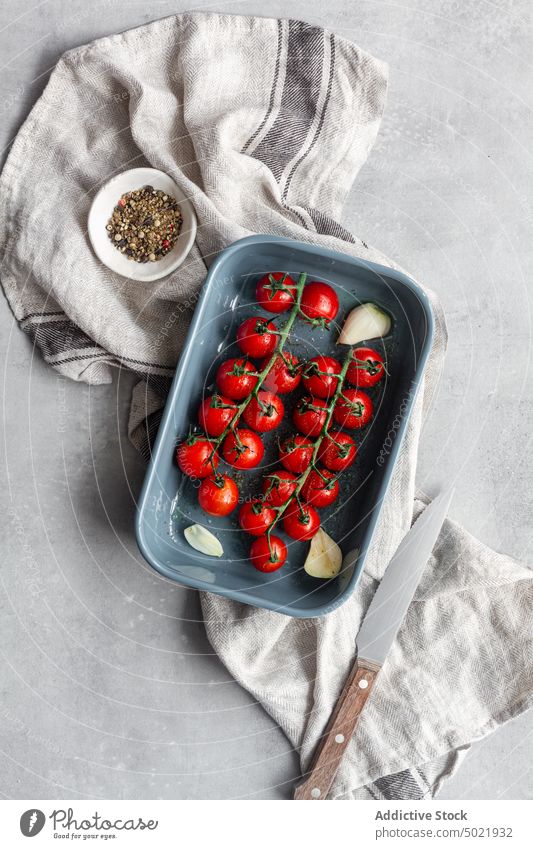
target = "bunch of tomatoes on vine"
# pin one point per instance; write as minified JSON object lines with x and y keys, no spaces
{"x":248,"y":402}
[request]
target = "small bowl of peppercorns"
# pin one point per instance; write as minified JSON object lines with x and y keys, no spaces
{"x":141,"y":225}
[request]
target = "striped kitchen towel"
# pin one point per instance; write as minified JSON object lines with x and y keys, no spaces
{"x":264,"y":124}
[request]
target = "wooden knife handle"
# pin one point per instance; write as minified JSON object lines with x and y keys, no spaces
{"x":339,"y":731}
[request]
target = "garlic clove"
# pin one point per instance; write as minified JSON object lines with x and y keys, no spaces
{"x":324,"y":559}
{"x":367,"y":321}
{"x":203,"y":540}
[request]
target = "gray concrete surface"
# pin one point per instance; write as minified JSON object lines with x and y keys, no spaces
{"x":108,"y":686}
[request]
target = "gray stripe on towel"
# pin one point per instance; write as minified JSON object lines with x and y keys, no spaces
{"x":328,"y":226}
{"x":272,"y":91}
{"x":58,"y":337}
{"x":322,"y":116}
{"x":60,"y":340}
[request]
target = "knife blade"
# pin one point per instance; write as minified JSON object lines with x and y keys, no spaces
{"x":376,"y":635}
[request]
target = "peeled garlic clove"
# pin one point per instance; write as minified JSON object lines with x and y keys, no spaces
{"x":367,"y":321}
{"x":324,"y":559}
{"x":203,"y":540}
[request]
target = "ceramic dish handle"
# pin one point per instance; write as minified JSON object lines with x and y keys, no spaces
{"x":339,"y":731}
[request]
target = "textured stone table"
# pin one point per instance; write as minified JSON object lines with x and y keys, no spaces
{"x":109,"y":688}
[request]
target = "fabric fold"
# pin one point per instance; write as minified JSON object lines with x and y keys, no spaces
{"x":267,"y":147}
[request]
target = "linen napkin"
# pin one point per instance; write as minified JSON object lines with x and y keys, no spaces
{"x":264,"y":125}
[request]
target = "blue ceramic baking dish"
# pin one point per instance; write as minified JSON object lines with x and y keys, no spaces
{"x":168,"y":501}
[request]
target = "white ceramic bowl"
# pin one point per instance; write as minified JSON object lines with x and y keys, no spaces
{"x":102,"y":208}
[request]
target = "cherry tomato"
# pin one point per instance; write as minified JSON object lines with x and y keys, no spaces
{"x":234,"y":379}
{"x":268,"y":558}
{"x":353,"y":409}
{"x":215,"y":414}
{"x":218,"y":495}
{"x":319,"y":303}
{"x":279,"y":486}
{"x":320,"y":492}
{"x":264,"y":412}
{"x":295,"y":453}
{"x":243,"y":449}
{"x":319,"y":376}
{"x":275,"y":292}
{"x":310,"y":415}
{"x":367,"y":368}
{"x":255,"y":517}
{"x":301,"y":521}
{"x":257,"y":337}
{"x":193,"y":456}
{"x":337,"y":451}
{"x":284,"y":376}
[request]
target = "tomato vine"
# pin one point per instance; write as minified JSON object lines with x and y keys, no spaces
{"x":282,"y":338}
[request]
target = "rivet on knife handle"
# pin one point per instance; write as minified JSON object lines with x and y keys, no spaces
{"x":339,"y":731}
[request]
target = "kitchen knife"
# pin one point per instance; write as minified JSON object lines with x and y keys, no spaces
{"x":376,"y":635}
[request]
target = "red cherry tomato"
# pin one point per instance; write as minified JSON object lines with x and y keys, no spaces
{"x":337,"y":451}
{"x":310,"y":415}
{"x":275,"y":292}
{"x":353,"y":409}
{"x":218,"y":495}
{"x":367,"y":368}
{"x":257,"y":337}
{"x":243,"y":449}
{"x":193,"y":456}
{"x":264,"y":412}
{"x":234,"y":379}
{"x":268,"y":558}
{"x":319,"y":376}
{"x":319,"y":303}
{"x":215,"y":414}
{"x":255,"y":517}
{"x":320,"y":492}
{"x":278,"y":487}
{"x":284,"y":376}
{"x":295,"y":453}
{"x":301,"y":522}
